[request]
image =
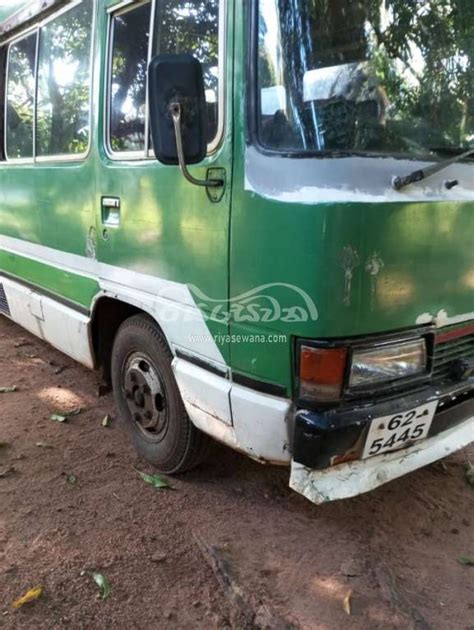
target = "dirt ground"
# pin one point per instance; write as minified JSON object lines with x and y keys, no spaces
{"x":229,"y":546}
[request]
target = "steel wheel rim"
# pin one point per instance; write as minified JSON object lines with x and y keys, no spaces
{"x":145,"y":398}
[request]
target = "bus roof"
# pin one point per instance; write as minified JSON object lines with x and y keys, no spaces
{"x":18,"y":14}
{"x":9,"y":7}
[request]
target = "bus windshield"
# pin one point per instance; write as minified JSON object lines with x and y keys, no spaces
{"x":389,"y":77}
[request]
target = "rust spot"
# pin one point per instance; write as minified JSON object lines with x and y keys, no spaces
{"x":351,"y":456}
{"x":350,"y":260}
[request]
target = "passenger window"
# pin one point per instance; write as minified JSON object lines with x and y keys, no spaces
{"x":130,"y":36}
{"x":193,"y":27}
{"x":20,"y":100}
{"x":64,"y":76}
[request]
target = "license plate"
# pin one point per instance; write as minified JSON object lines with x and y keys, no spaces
{"x":391,"y":433}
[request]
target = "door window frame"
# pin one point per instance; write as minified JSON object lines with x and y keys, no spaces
{"x":147,"y":154}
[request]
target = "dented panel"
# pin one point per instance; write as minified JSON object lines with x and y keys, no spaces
{"x":354,"y":478}
{"x":372,"y":260}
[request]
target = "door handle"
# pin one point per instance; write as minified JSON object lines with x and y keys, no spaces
{"x":110,"y":211}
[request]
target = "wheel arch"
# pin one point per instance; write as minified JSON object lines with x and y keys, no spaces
{"x":108,"y":314}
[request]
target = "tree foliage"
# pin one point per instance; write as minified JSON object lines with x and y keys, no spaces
{"x":181,"y":26}
{"x":64,"y":83}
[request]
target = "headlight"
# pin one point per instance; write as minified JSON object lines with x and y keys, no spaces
{"x":387,"y":363}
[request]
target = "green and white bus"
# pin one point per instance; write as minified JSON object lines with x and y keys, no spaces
{"x":256,"y":217}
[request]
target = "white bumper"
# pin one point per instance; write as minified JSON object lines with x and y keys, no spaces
{"x":354,"y":478}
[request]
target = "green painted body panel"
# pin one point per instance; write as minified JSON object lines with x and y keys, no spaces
{"x":428,"y":266}
{"x":427,"y":250}
{"x":168,"y":229}
{"x":51,"y":204}
{"x":77,"y":289}
{"x":171,"y":230}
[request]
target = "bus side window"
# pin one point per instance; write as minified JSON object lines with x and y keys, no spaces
{"x":64,"y":78}
{"x":129,"y":61}
{"x":183,"y":28}
{"x":20,"y":98}
{"x":3,"y":51}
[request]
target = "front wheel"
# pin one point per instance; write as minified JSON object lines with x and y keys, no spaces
{"x":148,"y":399}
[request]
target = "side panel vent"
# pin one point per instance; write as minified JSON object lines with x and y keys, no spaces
{"x":4,"y":308}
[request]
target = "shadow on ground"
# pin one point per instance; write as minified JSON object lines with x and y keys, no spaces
{"x":394,"y":551}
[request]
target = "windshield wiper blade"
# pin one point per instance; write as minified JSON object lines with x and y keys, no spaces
{"x":447,"y":150}
{"x":417,"y":176}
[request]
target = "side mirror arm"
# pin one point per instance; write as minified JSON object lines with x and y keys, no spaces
{"x":175,"y":109}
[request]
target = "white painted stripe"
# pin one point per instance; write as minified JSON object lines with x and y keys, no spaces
{"x":62,"y":327}
{"x":350,"y":179}
{"x":34,"y":251}
{"x":171,"y":304}
{"x":114,"y":279}
{"x":261,"y":424}
{"x":204,"y":390}
{"x":442,"y":319}
{"x":212,"y":426}
{"x":89,"y":268}
{"x":252,"y":422}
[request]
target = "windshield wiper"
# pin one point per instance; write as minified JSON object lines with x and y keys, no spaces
{"x":417,"y":176}
{"x":447,"y":150}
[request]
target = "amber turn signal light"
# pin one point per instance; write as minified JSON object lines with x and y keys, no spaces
{"x":322,"y":372}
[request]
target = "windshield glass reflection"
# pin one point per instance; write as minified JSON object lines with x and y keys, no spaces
{"x":376,"y":76}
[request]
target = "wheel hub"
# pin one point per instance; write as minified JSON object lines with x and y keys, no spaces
{"x":139,"y":398}
{"x":144,"y":394}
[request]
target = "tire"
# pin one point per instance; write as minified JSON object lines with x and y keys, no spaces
{"x":148,"y":400}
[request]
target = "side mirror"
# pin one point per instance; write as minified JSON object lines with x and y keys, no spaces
{"x":178,"y":114}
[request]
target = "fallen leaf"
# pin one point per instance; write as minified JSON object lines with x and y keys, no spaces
{"x":44,"y":445}
{"x":57,"y":417}
{"x":31,"y":596}
{"x":7,"y":471}
{"x":23,"y":343}
{"x":4,"y":444}
{"x":470,"y":473}
{"x":103,"y":583}
{"x":346,"y":604}
{"x":74,"y":412}
{"x":26,"y":355}
{"x":106,"y":421}
{"x":154,"y":480}
{"x":71,"y":479}
{"x":7,"y":390}
{"x":62,"y":416}
{"x":467,"y":562}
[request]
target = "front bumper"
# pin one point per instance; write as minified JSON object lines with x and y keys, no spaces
{"x":333,"y":437}
{"x":354,"y":478}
